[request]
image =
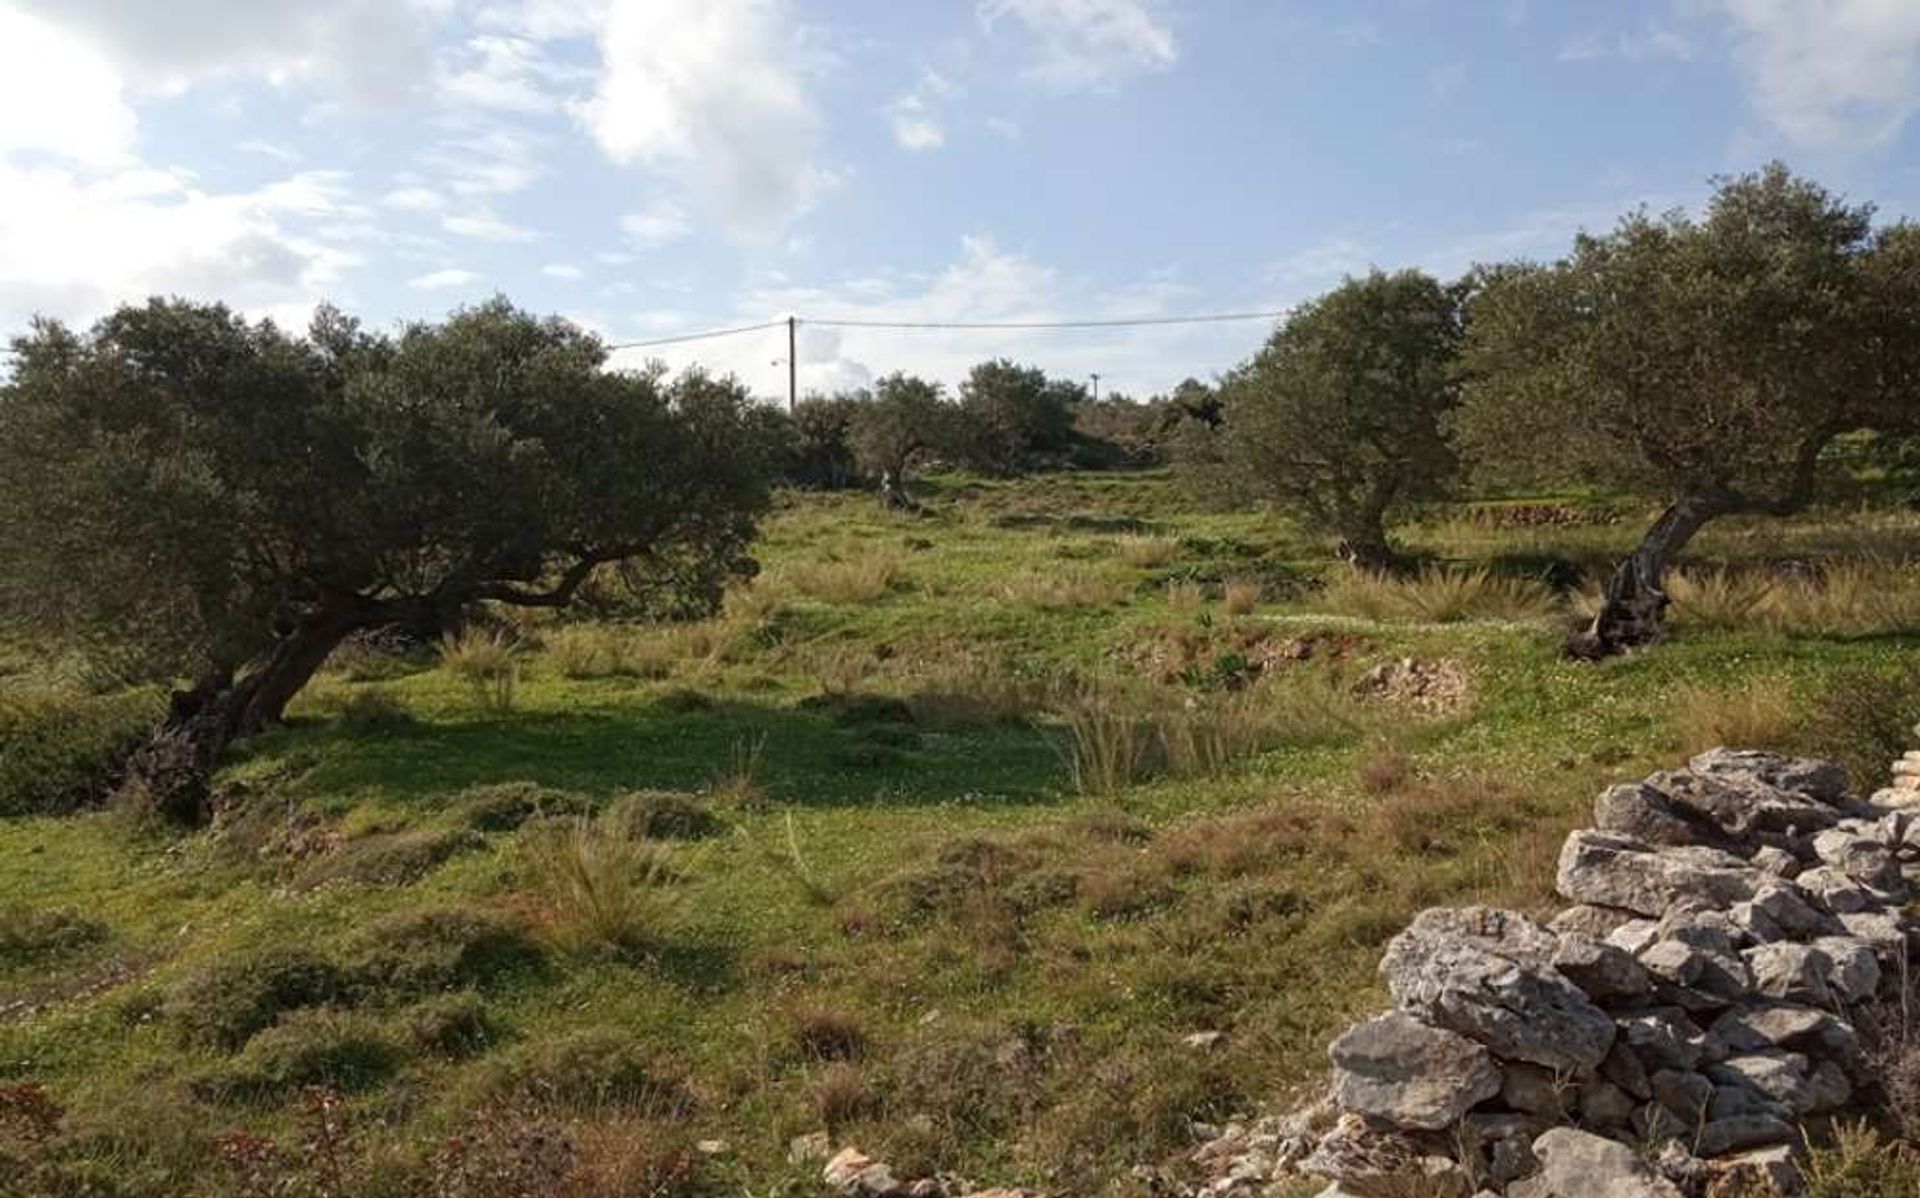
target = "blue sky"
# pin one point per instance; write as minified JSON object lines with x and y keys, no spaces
{"x":653,"y":167}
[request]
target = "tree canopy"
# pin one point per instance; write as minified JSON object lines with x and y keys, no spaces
{"x":1014,"y":416}
{"x":216,"y":500}
{"x":1338,"y":418}
{"x":1704,"y":363}
{"x":905,"y":416}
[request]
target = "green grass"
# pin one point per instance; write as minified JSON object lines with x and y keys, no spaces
{"x":890,"y":841}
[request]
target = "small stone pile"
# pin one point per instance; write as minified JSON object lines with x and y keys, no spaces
{"x":1732,"y":923}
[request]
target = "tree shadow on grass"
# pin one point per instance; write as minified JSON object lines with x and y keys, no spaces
{"x":798,"y":757}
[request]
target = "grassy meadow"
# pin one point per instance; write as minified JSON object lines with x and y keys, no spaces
{"x":948,"y":836}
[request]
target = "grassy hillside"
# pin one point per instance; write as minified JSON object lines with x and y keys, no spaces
{"x":949,"y":836}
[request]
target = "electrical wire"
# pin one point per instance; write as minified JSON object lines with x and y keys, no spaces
{"x":745,"y":328}
{"x":1116,"y":323}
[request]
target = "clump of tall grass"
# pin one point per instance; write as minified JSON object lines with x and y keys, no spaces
{"x":1147,"y":552}
{"x":1118,"y":736}
{"x":488,"y":659}
{"x":866,"y":578}
{"x":971,"y":693}
{"x":1240,"y":598}
{"x":738,"y":787}
{"x":602,"y":651}
{"x":603,"y":889}
{"x":1185,"y":595}
{"x":1068,"y":588}
{"x":1439,"y":595}
{"x":1858,"y":597}
{"x":1760,"y":713}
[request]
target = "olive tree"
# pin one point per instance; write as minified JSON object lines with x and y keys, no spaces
{"x":903,"y":418}
{"x":221,"y":503}
{"x":1337,"y":419}
{"x":1012,"y":415}
{"x":1704,"y":363}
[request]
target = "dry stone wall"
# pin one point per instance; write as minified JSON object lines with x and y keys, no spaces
{"x":1734,"y":929}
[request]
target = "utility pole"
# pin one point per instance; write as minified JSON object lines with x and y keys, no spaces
{"x":793,"y":365}
{"x":1096,"y":386}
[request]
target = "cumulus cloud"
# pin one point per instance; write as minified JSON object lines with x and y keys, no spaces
{"x":914,"y":127}
{"x":59,"y":94}
{"x":657,"y":224}
{"x":708,"y":91}
{"x":563,"y":270}
{"x":73,"y":245}
{"x":371,"y":51}
{"x":441,"y":280}
{"x":1089,"y":44}
{"x":482,"y":225}
{"x":1843,"y":73}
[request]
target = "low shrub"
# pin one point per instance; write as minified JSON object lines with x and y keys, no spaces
{"x":1860,"y":1163}
{"x":589,"y":1071}
{"x":447,"y":948}
{"x":602,"y":890}
{"x":59,"y":751}
{"x":225,"y":1002}
{"x":453,"y":1026}
{"x":371,"y":711}
{"x":33,"y":934}
{"x":839,"y":1095}
{"x":317,"y":1046}
{"x":390,"y":858}
{"x":1863,"y":718}
{"x":504,"y":806}
{"x":828,"y":1034}
{"x":662,"y":815}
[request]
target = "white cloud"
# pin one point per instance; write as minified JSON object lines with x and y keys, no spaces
{"x":657,"y":224}
{"x":914,"y":128}
{"x":562,"y":270}
{"x":488,"y":161}
{"x":511,"y":74}
{"x":1090,"y":44}
{"x":440,"y":280}
{"x":708,"y":91}
{"x":986,"y":282}
{"x":1834,"y":74}
{"x":59,"y":95}
{"x":413,"y":199}
{"x":486,"y":226}
{"x":371,"y":51}
{"x":74,"y":245}
{"x":1653,"y":42}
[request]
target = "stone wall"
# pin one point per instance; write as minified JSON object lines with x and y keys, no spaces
{"x":1735,"y":929}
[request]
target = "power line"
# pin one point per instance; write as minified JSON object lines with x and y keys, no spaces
{"x":1126,"y":322}
{"x":745,"y":328}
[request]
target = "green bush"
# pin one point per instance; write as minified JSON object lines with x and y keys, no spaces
{"x":29,"y":935}
{"x":1864,"y":719}
{"x":450,"y":948}
{"x":59,"y":751}
{"x":391,"y":858}
{"x":318,"y":1046}
{"x":663,"y":815}
{"x":589,"y":1070}
{"x":451,"y":1025}
{"x":504,"y":806}
{"x":227,"y":1002}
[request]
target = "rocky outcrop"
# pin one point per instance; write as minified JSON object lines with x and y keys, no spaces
{"x":1666,"y":1036}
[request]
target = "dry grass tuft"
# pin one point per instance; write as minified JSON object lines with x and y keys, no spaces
{"x":1438,"y":595}
{"x":1148,"y":552}
{"x":602,"y":889}
{"x":604,"y":651}
{"x":488,"y":659}
{"x":1068,"y":588}
{"x":1186,"y":596}
{"x":1856,"y":597}
{"x":1760,"y":713}
{"x":866,"y":578}
{"x":1241,"y":598}
{"x":739,"y":788}
{"x":972,"y":693}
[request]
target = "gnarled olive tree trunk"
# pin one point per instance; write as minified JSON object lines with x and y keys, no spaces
{"x":1634,"y":604}
{"x":172,"y":772}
